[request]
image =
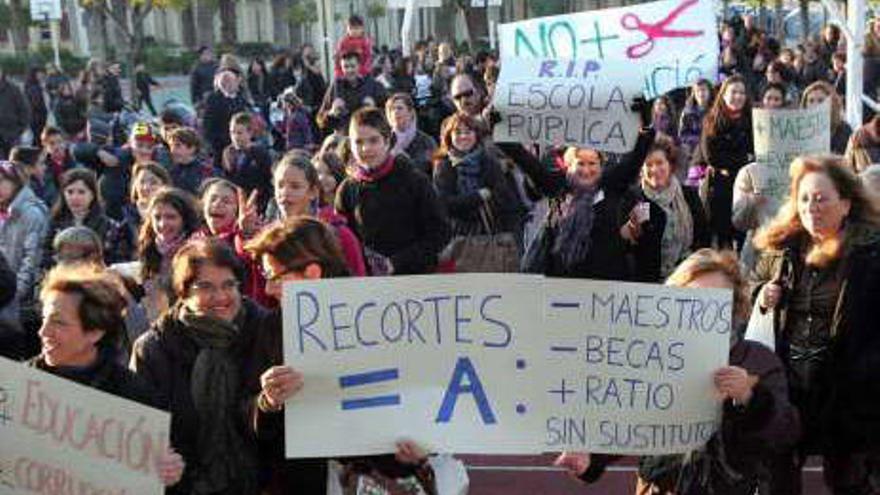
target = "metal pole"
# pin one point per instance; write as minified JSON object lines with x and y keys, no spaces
{"x":855,"y":62}
{"x":56,"y":42}
{"x":325,"y":10}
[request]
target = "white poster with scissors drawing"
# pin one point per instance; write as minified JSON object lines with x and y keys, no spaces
{"x":672,"y":43}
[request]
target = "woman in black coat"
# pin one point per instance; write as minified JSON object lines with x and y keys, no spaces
{"x":471,"y":182}
{"x":83,"y":311}
{"x":582,"y":191}
{"x":726,"y":145}
{"x":820,"y":276}
{"x":666,"y":220}
{"x":33,"y":89}
{"x":195,"y":357}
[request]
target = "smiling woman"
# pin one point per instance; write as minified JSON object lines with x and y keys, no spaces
{"x":193,"y":356}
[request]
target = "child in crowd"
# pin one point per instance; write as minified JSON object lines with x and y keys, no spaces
{"x":296,"y":127}
{"x":246,"y":164}
{"x":188,"y":170}
{"x":355,"y":40}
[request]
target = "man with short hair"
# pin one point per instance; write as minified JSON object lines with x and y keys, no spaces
{"x":349,"y":93}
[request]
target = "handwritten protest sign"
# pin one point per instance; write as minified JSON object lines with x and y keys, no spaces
{"x":57,"y":436}
{"x":471,"y":364}
{"x":566,"y":102}
{"x":443,"y":360}
{"x":782,"y":135}
{"x":628,"y":367}
{"x":669,"y":44}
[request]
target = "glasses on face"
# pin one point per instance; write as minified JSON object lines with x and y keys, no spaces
{"x":207,"y":289}
{"x":464,"y":94}
{"x":275,"y":278}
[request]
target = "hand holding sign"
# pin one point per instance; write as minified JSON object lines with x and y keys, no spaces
{"x":735,"y":383}
{"x":170,"y":467}
{"x":280,"y":383}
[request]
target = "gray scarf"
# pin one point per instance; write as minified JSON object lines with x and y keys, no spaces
{"x":679,"y":233}
{"x":469,"y":168}
{"x":227,"y":461}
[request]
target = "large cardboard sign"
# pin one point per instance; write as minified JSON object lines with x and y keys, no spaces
{"x":57,"y":436}
{"x":501,"y":364}
{"x":780,"y":136}
{"x":669,"y":44}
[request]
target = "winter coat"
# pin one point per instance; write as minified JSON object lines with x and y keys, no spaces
{"x":690,"y":126}
{"x":106,"y":375}
{"x":249,"y":169}
{"x":726,"y":152}
{"x":421,"y":152}
{"x":354,"y":94}
{"x":280,"y":78}
{"x":399,"y":216}
{"x":190,"y":176}
{"x":464,"y":208}
{"x":16,"y":114}
{"x":298,"y":130}
{"x":164,"y":358}
{"x":21,"y":242}
{"x":37,"y":102}
{"x":218,"y":112}
{"x":201,"y":81}
{"x":116,"y":242}
{"x":112,"y":92}
{"x":848,"y":420}
{"x":645,"y":256}
{"x":748,"y":434}
{"x":70,"y":113}
{"x":840,"y":138}
{"x":606,"y":259}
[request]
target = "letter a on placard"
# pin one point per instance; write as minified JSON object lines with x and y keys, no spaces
{"x":464,"y":369}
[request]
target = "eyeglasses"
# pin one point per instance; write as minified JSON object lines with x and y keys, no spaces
{"x":463,"y":94}
{"x":203,"y":289}
{"x":275,"y":278}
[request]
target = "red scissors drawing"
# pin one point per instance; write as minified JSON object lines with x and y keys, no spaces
{"x":656,"y":31}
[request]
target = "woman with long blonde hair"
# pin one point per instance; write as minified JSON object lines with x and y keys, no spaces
{"x":819,"y":273}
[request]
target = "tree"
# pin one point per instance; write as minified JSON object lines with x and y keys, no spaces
{"x":228,"y":21}
{"x":303,"y":13}
{"x":374,"y":11}
{"x":204,"y":14}
{"x":129,"y":24}
{"x":15,"y":17}
{"x":475,"y":20}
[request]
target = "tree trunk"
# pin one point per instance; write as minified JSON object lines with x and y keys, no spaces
{"x":188,"y":25}
{"x":446,"y":30}
{"x":475,"y":18}
{"x":805,"y":19}
{"x":762,"y":13}
{"x":228,"y":34}
{"x":19,"y":22}
{"x":777,"y":17}
{"x":279,"y":24}
{"x":204,"y":19}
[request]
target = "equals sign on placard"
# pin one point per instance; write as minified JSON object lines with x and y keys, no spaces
{"x":369,"y":378}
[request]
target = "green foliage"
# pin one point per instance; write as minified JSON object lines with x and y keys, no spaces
{"x":375,"y":10}
{"x":253,"y":49}
{"x":20,"y":64}
{"x":302,"y":13}
{"x":168,"y":59}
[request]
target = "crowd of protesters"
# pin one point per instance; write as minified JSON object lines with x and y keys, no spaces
{"x":145,"y":256}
